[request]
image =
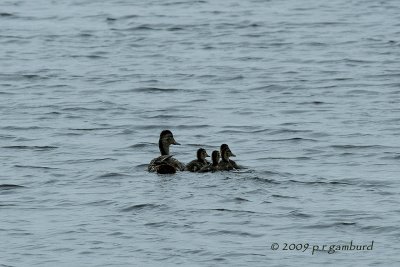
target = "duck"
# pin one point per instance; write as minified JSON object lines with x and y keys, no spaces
{"x":213,"y":167}
{"x":200,"y":162}
{"x":227,"y":164}
{"x":166,"y":164}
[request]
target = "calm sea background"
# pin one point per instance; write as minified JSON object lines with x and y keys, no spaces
{"x":306,"y":93}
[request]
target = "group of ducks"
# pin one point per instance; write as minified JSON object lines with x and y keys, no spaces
{"x":166,"y":164}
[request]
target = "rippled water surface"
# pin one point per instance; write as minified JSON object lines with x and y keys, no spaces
{"x":306,"y":93}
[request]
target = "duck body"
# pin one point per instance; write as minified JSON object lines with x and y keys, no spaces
{"x":197,"y":164}
{"x":213,"y":167}
{"x":227,"y":164}
{"x":165,"y":163}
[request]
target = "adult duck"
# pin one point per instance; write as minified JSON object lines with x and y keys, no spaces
{"x":227,"y":164}
{"x":165,"y":163}
{"x":200,"y":162}
{"x":213,"y":167}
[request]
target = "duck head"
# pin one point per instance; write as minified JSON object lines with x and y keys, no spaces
{"x":226,"y":152}
{"x":166,"y":139}
{"x":202,"y":155}
{"x":215,"y":157}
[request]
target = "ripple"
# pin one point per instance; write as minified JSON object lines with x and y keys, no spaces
{"x":293,"y":139}
{"x":240,"y":199}
{"x":322,"y":182}
{"x":112,"y":175}
{"x":262,"y":180}
{"x":29,"y":77}
{"x":141,"y":207}
{"x":379,"y":229}
{"x":144,"y":27}
{"x":356,"y":147}
{"x":6,"y":93}
{"x":233,"y":211}
{"x":235,"y":233}
{"x":83,"y":109}
{"x":38,"y":148}
{"x":142,"y":145}
{"x":10,"y":186}
{"x":24,"y":128}
{"x":331,"y":225}
{"x":103,"y":202}
{"x":169,"y":116}
{"x":298,"y":214}
{"x":282,"y":196}
{"x":389,"y":155}
{"x":85,"y":160}
{"x":35,"y":167}
{"x":91,"y":129}
{"x":362,"y":92}
{"x":158,"y":224}
{"x":235,"y":200}
{"x":313,"y":103}
{"x":287,"y":130}
{"x":5,"y":14}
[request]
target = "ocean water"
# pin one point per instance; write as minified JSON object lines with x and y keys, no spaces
{"x":306,"y":94}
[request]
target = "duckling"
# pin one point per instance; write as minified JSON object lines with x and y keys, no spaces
{"x":227,"y":164}
{"x":213,"y":167}
{"x":165,"y":163}
{"x":200,"y":162}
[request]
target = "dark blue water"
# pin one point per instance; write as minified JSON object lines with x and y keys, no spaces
{"x":306,"y":93}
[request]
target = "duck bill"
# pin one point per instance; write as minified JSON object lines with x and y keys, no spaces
{"x":207,"y":156}
{"x":175,"y":143}
{"x":231,"y":154}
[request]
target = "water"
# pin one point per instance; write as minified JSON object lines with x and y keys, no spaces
{"x":306,"y":93}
